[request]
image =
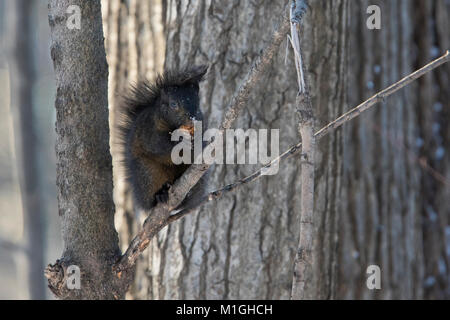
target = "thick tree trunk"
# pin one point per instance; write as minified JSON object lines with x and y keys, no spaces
{"x":23,"y":76}
{"x":394,"y":208}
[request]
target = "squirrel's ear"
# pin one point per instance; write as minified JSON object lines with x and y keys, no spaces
{"x":198,"y":73}
{"x":164,"y":95}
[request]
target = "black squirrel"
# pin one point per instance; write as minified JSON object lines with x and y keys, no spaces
{"x":148,"y":115}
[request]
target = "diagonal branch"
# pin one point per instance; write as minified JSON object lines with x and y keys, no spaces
{"x":381,"y":96}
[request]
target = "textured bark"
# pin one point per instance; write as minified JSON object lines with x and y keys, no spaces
{"x":394,"y":207}
{"x":135,"y":47}
{"x":84,"y":170}
{"x":304,"y":273}
{"x":23,"y":76}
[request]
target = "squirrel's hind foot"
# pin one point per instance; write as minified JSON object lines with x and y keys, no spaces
{"x":162,"y":196}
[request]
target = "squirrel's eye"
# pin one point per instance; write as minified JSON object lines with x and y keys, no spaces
{"x":173,"y":105}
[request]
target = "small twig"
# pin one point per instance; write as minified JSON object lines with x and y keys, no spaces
{"x":217,"y":194}
{"x":259,"y":67}
{"x":297,"y":10}
{"x":381,"y":96}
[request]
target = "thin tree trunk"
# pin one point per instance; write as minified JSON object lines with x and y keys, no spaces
{"x":23,"y":76}
{"x":84,"y":171}
{"x":304,"y":271}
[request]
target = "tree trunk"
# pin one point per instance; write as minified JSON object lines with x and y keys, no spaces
{"x":394,"y":208}
{"x":23,"y":76}
{"x":84,"y":170}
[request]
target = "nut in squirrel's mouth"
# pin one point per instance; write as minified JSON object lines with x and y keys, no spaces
{"x":189,"y":128}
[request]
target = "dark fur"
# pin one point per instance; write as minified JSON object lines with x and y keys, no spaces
{"x":145,"y":123}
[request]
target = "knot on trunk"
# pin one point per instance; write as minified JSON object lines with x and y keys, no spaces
{"x":57,"y":278}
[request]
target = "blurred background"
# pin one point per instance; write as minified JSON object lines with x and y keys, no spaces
{"x":30,"y":236}
{"x":383,"y":182}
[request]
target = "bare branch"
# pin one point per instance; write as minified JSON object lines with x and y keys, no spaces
{"x":259,"y":67}
{"x":381,"y":96}
{"x":217,"y":194}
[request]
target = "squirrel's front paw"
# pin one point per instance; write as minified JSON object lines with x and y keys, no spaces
{"x":162,"y":196}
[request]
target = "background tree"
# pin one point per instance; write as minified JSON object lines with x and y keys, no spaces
{"x":396,"y":159}
{"x":29,"y":226}
{"x":135,"y":46}
{"x":23,"y":77}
